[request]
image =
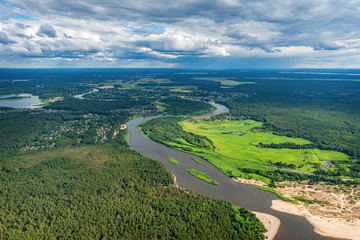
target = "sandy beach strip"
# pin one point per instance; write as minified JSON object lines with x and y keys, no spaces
{"x":270,"y":222}
{"x":329,"y":227}
{"x":175,"y":180}
{"x":249,"y":181}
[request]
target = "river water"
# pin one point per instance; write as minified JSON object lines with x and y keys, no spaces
{"x":243,"y":195}
{"x":81,"y":96}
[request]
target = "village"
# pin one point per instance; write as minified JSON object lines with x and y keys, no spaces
{"x":92,"y":128}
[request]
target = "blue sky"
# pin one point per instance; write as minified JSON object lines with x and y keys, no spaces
{"x":216,"y":34}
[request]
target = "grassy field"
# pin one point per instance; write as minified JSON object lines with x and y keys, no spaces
{"x":235,"y":144}
{"x":325,"y":155}
{"x":202,"y":176}
{"x":93,"y":155}
{"x":198,"y":162}
{"x":174,"y":161}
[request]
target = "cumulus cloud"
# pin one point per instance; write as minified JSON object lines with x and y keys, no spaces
{"x":149,"y":51}
{"x":4,"y":39}
{"x":172,"y":30}
{"x":46,"y":30}
{"x":22,"y":26}
{"x":67,"y":36}
{"x":21,"y":35}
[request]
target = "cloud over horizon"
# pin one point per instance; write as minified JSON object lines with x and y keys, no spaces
{"x":189,"y":33}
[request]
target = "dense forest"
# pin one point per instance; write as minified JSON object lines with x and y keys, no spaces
{"x":20,"y":128}
{"x":109,"y":191}
{"x":287,"y":145}
{"x":179,"y":106}
{"x":96,"y":106}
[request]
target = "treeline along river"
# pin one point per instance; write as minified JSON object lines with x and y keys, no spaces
{"x":242,"y":195}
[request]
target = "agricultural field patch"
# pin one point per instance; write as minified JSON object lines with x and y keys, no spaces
{"x":224,"y":81}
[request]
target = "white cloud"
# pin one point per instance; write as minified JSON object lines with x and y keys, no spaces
{"x":112,"y":30}
{"x":46,"y":30}
{"x":294,"y":51}
{"x":216,"y":51}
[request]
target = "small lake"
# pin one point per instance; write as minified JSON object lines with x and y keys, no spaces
{"x":28,"y":101}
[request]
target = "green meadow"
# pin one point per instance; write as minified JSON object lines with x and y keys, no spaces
{"x":202,"y":176}
{"x":235,"y":144}
{"x":174,"y":161}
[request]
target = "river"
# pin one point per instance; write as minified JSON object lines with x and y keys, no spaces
{"x":243,"y":195}
{"x":81,"y":96}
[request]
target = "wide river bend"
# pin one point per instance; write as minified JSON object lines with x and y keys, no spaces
{"x":243,"y":195}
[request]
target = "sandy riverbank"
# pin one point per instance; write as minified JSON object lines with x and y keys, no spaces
{"x":335,"y":211}
{"x":270,"y":222}
{"x":331,"y":227}
{"x":249,"y":181}
{"x":175,"y":181}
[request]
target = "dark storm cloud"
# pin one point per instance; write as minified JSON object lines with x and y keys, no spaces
{"x":46,"y":30}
